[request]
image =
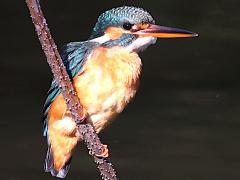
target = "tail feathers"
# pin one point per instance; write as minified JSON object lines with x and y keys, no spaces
{"x":49,"y":166}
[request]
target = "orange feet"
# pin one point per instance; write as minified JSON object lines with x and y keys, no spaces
{"x":105,"y":152}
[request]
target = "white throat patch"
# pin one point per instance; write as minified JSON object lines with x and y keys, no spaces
{"x":141,"y":43}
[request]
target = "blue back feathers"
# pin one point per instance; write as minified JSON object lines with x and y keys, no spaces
{"x":73,"y":55}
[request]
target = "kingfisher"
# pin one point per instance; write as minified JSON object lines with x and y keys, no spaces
{"x":105,"y":71}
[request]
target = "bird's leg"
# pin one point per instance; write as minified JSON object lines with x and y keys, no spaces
{"x":73,"y":130}
{"x":105,"y":152}
{"x":66,"y":113}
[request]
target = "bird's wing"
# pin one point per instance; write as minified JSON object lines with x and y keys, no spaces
{"x":73,"y":55}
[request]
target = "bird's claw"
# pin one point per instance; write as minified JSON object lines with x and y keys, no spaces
{"x":105,"y":152}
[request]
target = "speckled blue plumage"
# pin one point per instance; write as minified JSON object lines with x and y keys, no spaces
{"x":119,"y":16}
{"x":73,"y":55}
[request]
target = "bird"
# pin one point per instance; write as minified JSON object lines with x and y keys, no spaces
{"x":105,"y":71}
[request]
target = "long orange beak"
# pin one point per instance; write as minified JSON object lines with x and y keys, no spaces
{"x":165,"y":32}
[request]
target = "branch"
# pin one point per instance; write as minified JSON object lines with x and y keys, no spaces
{"x":54,"y":60}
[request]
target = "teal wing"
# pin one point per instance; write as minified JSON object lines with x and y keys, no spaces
{"x":73,"y":55}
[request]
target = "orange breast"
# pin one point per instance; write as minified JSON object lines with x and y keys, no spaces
{"x":108,"y":82}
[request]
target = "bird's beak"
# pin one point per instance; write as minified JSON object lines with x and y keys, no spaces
{"x":165,"y":32}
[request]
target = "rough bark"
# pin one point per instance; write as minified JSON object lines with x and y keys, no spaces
{"x":54,"y":60}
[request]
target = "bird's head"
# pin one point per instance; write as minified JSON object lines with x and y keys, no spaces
{"x":133,"y":28}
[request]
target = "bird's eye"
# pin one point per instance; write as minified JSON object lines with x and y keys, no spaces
{"x":127,"y":26}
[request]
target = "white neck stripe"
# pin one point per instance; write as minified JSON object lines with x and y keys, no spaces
{"x":101,"y":39}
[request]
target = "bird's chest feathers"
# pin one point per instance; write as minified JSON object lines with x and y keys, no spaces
{"x":109,"y":80}
{"x":115,"y":63}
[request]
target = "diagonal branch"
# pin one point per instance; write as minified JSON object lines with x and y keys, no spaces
{"x":73,"y":103}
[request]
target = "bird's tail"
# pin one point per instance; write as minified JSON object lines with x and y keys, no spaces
{"x":49,"y":165}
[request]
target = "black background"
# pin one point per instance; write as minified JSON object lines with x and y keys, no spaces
{"x":185,"y":121}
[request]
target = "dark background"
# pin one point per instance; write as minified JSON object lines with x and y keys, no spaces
{"x":185,"y":121}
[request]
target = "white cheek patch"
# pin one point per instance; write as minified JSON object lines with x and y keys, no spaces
{"x":141,"y":43}
{"x":101,"y":39}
